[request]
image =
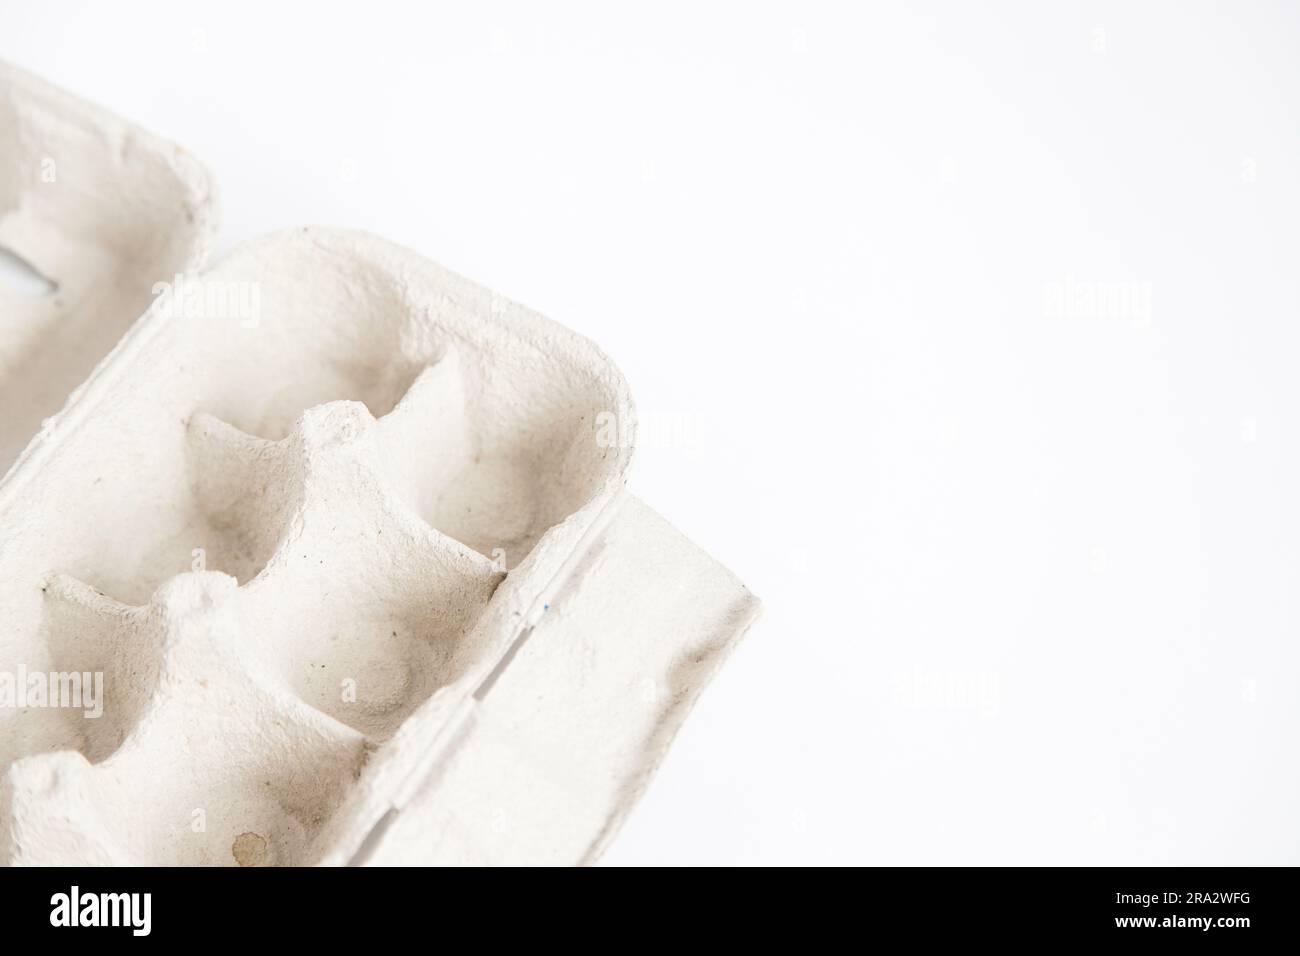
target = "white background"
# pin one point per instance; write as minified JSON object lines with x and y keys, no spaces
{"x":966,"y":337}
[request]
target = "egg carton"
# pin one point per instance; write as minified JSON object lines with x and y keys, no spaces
{"x":330,"y":560}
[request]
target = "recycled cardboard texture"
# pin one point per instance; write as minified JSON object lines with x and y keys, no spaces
{"x":102,"y":210}
{"x":565,"y":743}
{"x":316,"y":460}
{"x":328,"y":556}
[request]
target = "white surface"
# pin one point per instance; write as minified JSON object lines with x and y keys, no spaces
{"x":1029,"y":578}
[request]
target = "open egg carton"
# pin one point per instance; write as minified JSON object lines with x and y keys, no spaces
{"x":328,"y":560}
